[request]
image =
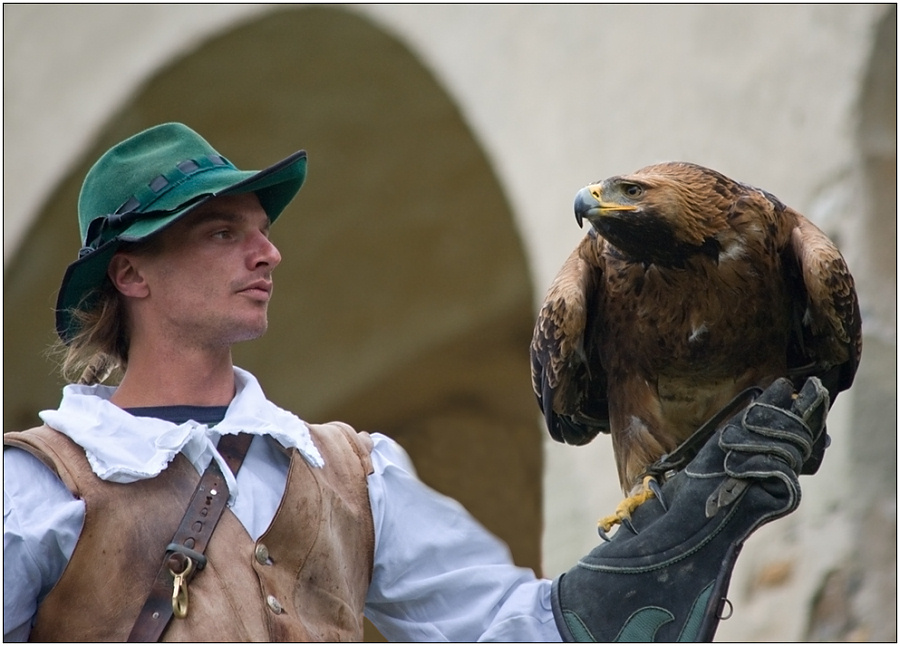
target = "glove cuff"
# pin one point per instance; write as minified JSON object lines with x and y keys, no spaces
{"x":710,"y":605}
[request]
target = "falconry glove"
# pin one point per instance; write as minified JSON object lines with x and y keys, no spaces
{"x":665,"y":577}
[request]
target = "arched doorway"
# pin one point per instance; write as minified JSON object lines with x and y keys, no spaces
{"x":403,"y":303}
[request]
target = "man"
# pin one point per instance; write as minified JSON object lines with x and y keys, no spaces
{"x":322,"y":523}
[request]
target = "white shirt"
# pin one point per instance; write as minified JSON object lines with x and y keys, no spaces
{"x":438,"y":574}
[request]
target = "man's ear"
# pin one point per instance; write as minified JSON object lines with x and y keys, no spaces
{"x":127,"y":277}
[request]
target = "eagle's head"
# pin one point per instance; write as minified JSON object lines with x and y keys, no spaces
{"x":662,"y":214}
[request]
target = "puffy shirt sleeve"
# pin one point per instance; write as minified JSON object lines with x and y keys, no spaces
{"x":41,"y":525}
{"x":439,"y":575}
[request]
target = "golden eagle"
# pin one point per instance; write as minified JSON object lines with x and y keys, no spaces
{"x":688,"y":288}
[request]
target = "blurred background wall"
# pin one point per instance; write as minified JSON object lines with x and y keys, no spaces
{"x":446,"y":143}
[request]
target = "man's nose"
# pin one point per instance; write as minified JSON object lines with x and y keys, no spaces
{"x":267,"y":253}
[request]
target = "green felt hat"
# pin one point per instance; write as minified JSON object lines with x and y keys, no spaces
{"x":146,"y":183}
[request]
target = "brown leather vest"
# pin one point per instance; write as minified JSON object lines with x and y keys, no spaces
{"x":312,"y":586}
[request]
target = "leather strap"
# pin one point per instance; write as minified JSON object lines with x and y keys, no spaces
{"x":191,"y":538}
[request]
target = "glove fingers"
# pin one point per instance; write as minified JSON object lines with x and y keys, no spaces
{"x":780,"y":424}
{"x":779,"y":393}
{"x":814,"y":461}
{"x":812,"y":402}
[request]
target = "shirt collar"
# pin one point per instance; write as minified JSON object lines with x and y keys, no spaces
{"x":123,"y":448}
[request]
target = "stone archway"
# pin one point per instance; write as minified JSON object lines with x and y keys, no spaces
{"x":403,"y":303}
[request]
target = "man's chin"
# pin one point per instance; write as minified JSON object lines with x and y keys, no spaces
{"x":250,"y":333}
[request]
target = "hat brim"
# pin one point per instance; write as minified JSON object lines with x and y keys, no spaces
{"x":275,"y":187}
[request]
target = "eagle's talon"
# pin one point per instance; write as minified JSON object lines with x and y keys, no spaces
{"x":653,"y":485}
{"x":607,"y":523}
{"x":622,"y":514}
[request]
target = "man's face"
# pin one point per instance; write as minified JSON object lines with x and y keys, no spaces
{"x":209,"y":275}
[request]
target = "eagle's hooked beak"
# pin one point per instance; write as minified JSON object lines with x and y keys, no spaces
{"x":589,"y":202}
{"x":585,"y":200}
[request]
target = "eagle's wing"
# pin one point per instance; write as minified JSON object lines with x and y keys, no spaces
{"x":829,"y":340}
{"x":569,"y":383}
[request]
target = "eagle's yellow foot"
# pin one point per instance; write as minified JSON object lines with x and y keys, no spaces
{"x":626,"y":507}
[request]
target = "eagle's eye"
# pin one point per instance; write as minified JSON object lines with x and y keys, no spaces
{"x":633,"y":190}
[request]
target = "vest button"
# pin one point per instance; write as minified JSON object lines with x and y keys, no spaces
{"x":274,"y":605}
{"x":262,"y":554}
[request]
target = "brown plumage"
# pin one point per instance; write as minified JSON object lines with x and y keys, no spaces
{"x":688,"y":288}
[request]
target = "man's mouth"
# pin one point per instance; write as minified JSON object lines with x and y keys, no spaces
{"x":261,"y":289}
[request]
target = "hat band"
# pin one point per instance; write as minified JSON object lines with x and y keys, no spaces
{"x":134,"y":207}
{"x":99,"y":227}
{"x":162,"y":184}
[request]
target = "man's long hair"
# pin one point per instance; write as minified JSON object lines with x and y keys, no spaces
{"x":101,"y":344}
